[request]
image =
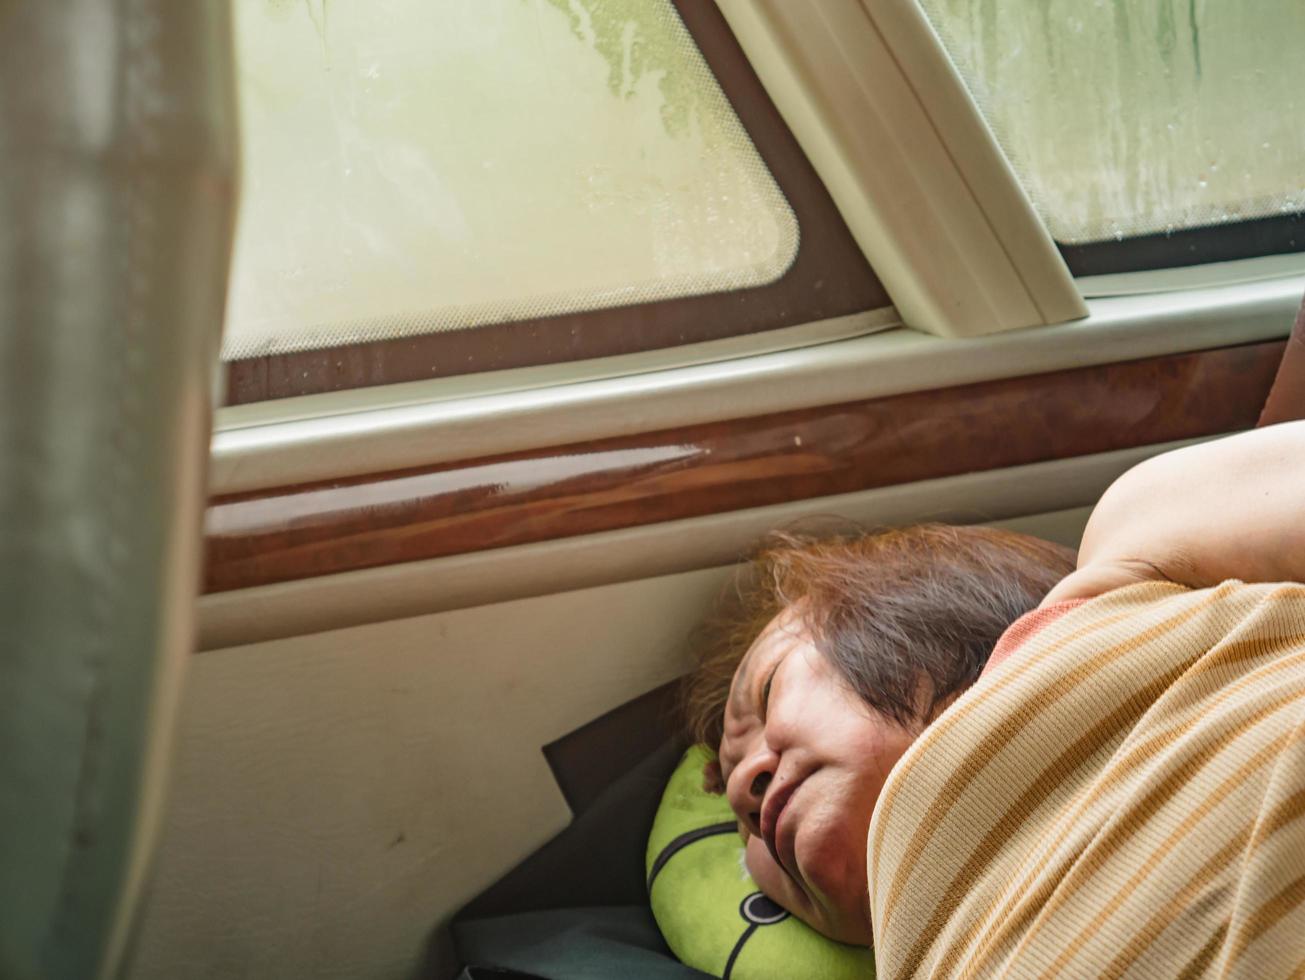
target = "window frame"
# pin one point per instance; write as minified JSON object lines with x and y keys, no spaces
{"x":1185,"y":247}
{"x":342,"y":433}
{"x":1156,"y":251}
{"x":829,"y":278}
{"x":886,"y":119}
{"x":337,"y":435}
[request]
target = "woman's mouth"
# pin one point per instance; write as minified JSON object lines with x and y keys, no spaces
{"x":779,"y":844}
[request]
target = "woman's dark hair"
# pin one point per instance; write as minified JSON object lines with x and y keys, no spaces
{"x":907,"y":616}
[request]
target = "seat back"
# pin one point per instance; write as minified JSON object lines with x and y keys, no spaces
{"x":116,"y":204}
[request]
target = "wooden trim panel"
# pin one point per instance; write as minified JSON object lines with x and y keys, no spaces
{"x":830,"y":277}
{"x":323,"y":528}
{"x":1286,"y":401}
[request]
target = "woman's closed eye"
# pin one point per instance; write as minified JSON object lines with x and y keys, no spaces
{"x":765,"y":691}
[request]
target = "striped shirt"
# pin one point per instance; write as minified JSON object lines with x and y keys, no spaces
{"x":1124,"y":797}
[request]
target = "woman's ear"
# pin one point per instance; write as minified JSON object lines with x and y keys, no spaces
{"x":712,"y":781}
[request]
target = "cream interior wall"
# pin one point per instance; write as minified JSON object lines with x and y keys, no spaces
{"x":335,"y":796}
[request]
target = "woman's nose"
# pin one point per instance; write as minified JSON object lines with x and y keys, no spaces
{"x":747,"y":789}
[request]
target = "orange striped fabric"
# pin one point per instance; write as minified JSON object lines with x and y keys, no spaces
{"x":1124,"y":798}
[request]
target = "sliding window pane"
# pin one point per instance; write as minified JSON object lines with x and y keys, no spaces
{"x":1131,"y":117}
{"x":422,"y":165}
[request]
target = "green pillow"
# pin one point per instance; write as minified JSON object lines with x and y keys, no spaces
{"x":707,"y":905}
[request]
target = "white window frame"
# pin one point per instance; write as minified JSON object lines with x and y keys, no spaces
{"x":873,"y":97}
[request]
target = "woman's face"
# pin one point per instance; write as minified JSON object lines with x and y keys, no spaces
{"x":804,"y":759}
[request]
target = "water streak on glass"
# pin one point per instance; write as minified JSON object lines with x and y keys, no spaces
{"x":419,"y":165}
{"x":1125,"y":117}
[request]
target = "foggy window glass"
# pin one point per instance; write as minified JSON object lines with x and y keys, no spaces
{"x":422,"y":165}
{"x":1127,"y":117}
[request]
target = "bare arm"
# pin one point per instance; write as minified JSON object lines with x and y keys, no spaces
{"x":1233,"y":508}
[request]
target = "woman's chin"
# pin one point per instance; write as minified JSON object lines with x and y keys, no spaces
{"x":835,"y":888}
{"x":847,"y":926}
{"x":770,"y":877}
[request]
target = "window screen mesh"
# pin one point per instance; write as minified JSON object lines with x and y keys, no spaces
{"x":421,"y":165}
{"x":1129,"y":117}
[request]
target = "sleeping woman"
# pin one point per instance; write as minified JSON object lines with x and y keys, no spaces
{"x":849,"y":647}
{"x":953,"y":743}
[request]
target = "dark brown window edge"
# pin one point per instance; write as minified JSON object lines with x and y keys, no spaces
{"x":829,"y":277}
{"x":460,"y":508}
{"x":1278,"y":235}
